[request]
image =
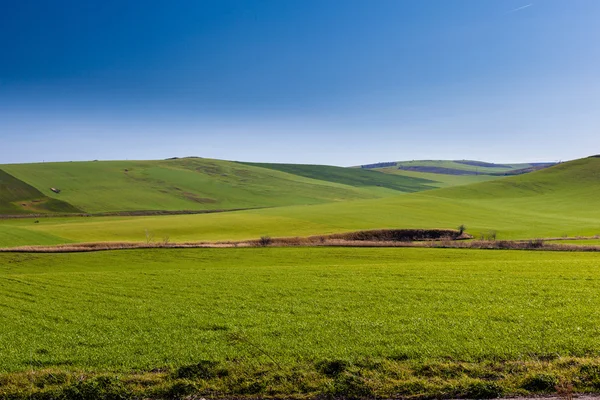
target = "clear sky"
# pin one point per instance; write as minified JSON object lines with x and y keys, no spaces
{"x":340,"y":82}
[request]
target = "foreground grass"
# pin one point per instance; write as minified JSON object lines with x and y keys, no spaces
{"x":296,"y":321}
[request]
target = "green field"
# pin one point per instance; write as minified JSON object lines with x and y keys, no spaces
{"x":466,"y":165}
{"x":187,"y":184}
{"x":457,"y":167}
{"x":297,"y":321}
{"x":398,"y":320}
{"x":554,"y":202}
{"x":17,"y":196}
{"x":199,"y":184}
{"x":353,"y":176}
{"x":441,"y":180}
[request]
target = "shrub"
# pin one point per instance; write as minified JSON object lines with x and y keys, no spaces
{"x":535,"y":244}
{"x":265,"y":241}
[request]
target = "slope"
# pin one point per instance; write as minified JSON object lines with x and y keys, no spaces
{"x":458,"y":167}
{"x":440,"y":180}
{"x":17,"y":197}
{"x":353,"y":176}
{"x":182,"y":184}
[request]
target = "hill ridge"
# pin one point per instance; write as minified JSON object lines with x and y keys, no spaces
{"x":193,"y":184}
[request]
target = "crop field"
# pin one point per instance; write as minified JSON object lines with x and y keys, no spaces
{"x":511,"y":219}
{"x":288,"y":321}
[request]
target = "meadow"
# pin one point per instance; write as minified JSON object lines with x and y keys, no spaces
{"x":468,"y":165}
{"x":300,"y":321}
{"x":559,"y":201}
{"x":280,"y":317}
{"x":187,"y":184}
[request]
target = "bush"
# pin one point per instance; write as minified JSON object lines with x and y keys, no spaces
{"x":265,"y":241}
{"x":535,"y":244}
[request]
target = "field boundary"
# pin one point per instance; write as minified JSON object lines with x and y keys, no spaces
{"x":557,"y":378}
{"x":416,"y":238}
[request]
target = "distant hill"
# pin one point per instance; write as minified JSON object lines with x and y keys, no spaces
{"x":194,"y":184}
{"x":352,"y":176}
{"x":458,"y":167}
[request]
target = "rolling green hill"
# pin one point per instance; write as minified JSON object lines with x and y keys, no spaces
{"x":18,"y":197}
{"x":561,"y":200}
{"x":352,"y":176}
{"x":188,"y":184}
{"x":441,"y":180}
{"x":457,"y":167}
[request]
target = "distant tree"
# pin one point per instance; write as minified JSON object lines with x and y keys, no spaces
{"x":461,"y":229}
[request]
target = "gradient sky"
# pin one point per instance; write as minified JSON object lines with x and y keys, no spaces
{"x":340,"y":82}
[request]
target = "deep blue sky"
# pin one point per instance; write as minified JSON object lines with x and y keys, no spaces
{"x":340,"y":82}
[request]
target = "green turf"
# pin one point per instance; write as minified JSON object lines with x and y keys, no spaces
{"x":117,"y":303}
{"x":353,"y":176}
{"x":11,"y":236}
{"x":188,"y":184}
{"x":484,"y":168}
{"x":558,"y":201}
{"x":441,"y":180}
{"x":291,"y":308}
{"x":17,"y":197}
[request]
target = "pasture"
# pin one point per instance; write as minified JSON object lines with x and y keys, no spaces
{"x":559,"y":201}
{"x":299,"y":321}
{"x":189,"y":184}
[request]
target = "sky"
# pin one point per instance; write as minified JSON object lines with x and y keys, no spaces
{"x":339,"y":82}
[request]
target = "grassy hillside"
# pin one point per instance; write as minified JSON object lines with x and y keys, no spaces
{"x":17,"y":197}
{"x":458,"y":167}
{"x":353,"y":176}
{"x":575,"y":181}
{"x":561,"y":200}
{"x":440,"y":180}
{"x":194,"y":184}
